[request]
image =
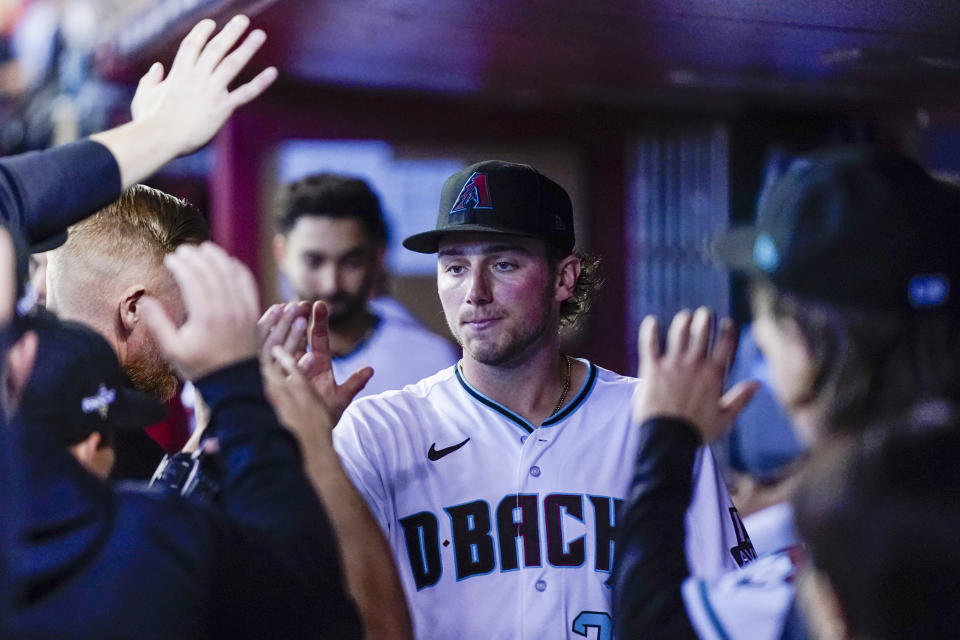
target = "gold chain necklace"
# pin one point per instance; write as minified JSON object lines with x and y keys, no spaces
{"x":566,"y":385}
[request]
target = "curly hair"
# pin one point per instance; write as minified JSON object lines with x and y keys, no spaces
{"x":589,"y":282}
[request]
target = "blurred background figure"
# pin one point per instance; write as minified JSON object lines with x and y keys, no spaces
{"x":330,"y":245}
{"x":764,"y":456}
{"x":880,"y":521}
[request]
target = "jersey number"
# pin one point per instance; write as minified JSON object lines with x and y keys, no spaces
{"x":594,"y":620}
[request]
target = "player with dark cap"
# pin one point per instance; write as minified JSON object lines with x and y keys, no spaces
{"x":497,"y":480}
{"x":854,"y":265}
{"x":78,"y":391}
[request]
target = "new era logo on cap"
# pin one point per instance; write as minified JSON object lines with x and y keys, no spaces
{"x":100,"y":402}
{"x":473,"y":195}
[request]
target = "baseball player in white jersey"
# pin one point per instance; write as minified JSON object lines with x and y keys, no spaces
{"x":497,"y":481}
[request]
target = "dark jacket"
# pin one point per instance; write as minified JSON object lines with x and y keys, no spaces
{"x":44,"y":192}
{"x":93,"y":563}
{"x":650,"y":566}
{"x":82,"y":561}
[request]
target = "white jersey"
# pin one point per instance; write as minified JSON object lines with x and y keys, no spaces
{"x":751,"y":604}
{"x":504,"y":530}
{"x":400,"y":352}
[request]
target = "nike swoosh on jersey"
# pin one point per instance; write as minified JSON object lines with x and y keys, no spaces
{"x":435,"y":454}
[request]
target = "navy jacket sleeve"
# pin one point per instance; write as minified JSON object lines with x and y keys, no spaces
{"x":44,"y":192}
{"x":650,"y":564}
{"x":266,"y":493}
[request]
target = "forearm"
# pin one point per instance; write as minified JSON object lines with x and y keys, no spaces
{"x":371,"y":572}
{"x":651,"y":565}
{"x":44,"y":192}
{"x":264,"y":485}
{"x":140,"y":149}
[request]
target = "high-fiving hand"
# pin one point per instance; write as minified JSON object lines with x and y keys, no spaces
{"x":181,"y":112}
{"x":685,"y":379}
{"x":221,"y":301}
{"x":286,"y":326}
{"x":193,"y":101}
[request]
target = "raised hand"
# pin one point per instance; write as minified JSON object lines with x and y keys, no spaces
{"x":176,"y":114}
{"x":193,"y":101}
{"x":285,"y":326}
{"x":685,"y":380}
{"x":317,"y":368}
{"x":220,"y":297}
{"x":298,"y":405}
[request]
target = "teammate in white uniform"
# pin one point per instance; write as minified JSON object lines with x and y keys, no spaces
{"x":330,"y":246}
{"x":398,"y":351}
{"x":499,"y":499}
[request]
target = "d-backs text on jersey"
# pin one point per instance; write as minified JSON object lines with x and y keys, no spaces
{"x":475,"y":525}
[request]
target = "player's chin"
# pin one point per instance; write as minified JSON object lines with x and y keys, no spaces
{"x":486,"y":352}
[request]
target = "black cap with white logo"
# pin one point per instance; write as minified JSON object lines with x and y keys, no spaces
{"x":858,"y":227}
{"x":77,"y":386}
{"x":503,"y":198}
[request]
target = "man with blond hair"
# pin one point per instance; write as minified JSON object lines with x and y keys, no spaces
{"x":99,"y":277}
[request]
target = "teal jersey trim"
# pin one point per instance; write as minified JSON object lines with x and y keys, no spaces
{"x":711,"y":613}
{"x":582,"y":395}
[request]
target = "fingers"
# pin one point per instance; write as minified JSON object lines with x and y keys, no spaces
{"x":289,"y":365}
{"x":192,"y":44}
{"x":726,"y":344}
{"x":319,"y":339}
{"x":649,"y":343}
{"x":247,"y":92}
{"x":311,"y":366}
{"x":700,"y":328}
{"x":734,"y":401}
{"x":285,"y":361}
{"x":296,"y":339}
{"x":355,"y":384}
{"x":230,"y":67}
{"x":678,"y":336}
{"x":159,"y":324}
{"x":184,"y":271}
{"x":268,"y":320}
{"x":221,"y":43}
{"x":151,"y":78}
{"x":279,"y":332}
{"x":243,"y":287}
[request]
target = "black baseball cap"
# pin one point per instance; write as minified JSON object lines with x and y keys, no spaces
{"x":77,"y":386}
{"x":503,"y":198}
{"x":855,"y":226}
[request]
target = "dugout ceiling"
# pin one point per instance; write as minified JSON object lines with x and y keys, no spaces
{"x":613,"y":52}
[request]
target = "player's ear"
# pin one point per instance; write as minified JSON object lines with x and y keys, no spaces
{"x":129,"y":306}
{"x":279,"y":248}
{"x":568,"y":270}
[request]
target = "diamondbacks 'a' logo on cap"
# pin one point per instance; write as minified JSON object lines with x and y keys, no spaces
{"x":474,"y":194}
